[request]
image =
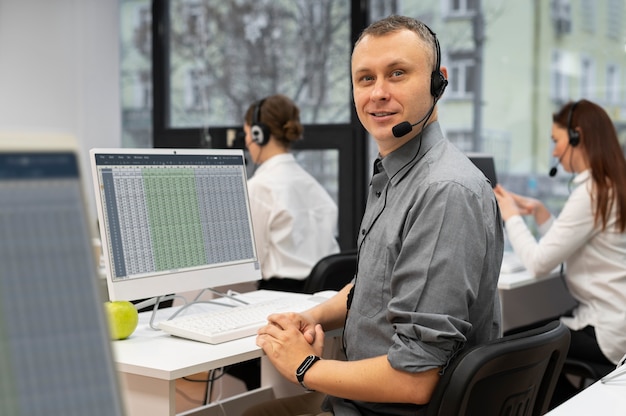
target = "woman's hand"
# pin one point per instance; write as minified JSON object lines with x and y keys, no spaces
{"x":513,"y":204}
{"x":506,"y":201}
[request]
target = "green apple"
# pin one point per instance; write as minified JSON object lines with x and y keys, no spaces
{"x":122,"y":317}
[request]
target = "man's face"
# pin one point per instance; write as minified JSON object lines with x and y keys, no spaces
{"x":391,"y":84}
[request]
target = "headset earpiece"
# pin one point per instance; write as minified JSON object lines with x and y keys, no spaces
{"x":438,"y":81}
{"x":438,"y":84}
{"x":574,"y":135}
{"x":260,"y":132}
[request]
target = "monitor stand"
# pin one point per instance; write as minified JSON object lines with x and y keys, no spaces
{"x":156,"y":301}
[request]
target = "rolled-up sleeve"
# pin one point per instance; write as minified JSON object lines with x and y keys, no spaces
{"x":438,"y":270}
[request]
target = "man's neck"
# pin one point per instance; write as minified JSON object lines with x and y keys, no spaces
{"x":386,"y":147}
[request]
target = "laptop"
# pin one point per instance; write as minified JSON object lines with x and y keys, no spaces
{"x":486,"y":164}
{"x":55,"y":350}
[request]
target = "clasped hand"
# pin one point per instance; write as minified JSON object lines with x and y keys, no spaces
{"x":512,"y":204}
{"x":287,"y":339}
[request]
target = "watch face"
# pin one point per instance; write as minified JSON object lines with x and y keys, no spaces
{"x":304,"y":367}
{"x":306,"y":363}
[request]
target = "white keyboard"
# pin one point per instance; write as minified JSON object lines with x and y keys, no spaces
{"x":228,"y":324}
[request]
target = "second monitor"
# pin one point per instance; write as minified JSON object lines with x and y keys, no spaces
{"x":486,"y":164}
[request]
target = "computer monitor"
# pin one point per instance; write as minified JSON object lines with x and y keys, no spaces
{"x":55,"y":349}
{"x":486,"y":164}
{"x":173,"y":220}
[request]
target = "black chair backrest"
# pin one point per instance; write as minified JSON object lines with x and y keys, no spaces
{"x":586,"y":372}
{"x":514,"y":375}
{"x":331,"y":272}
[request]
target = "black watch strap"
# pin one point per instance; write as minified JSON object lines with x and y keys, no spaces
{"x":304,"y":367}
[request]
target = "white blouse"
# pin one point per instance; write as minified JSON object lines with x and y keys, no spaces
{"x":595,"y":264}
{"x":293,"y":216}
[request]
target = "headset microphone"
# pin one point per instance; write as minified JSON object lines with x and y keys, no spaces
{"x":401,"y":129}
{"x":405,"y":127}
{"x":573,"y":138}
{"x":553,"y":169}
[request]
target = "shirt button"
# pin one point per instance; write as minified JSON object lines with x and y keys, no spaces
{"x":363,"y":231}
{"x":378,"y":194}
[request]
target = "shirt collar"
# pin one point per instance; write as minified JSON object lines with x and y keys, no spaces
{"x":407,"y":154}
{"x":582,"y":177}
{"x":275,"y":161}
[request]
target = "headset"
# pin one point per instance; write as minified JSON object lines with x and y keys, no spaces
{"x":438,"y":84}
{"x":574,"y":136}
{"x":260,"y":132}
{"x":438,"y":81}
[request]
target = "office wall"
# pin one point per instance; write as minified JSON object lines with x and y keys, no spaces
{"x":59,"y":71}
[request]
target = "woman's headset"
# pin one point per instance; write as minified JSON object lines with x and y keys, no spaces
{"x":259,"y":131}
{"x":574,"y":135}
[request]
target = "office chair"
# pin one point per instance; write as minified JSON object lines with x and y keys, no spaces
{"x":585,"y":372}
{"x":331,"y":272}
{"x":514,"y":375}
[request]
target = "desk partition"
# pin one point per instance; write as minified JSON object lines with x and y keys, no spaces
{"x":526,"y":300}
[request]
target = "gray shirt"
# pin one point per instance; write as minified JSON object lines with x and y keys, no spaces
{"x":430,"y":248}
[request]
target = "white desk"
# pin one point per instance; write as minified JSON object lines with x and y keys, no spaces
{"x":606,"y":399}
{"x":526,"y":300}
{"x":149,"y":362}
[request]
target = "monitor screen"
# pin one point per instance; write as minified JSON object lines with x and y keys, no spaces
{"x":486,"y":164}
{"x":55,"y":351}
{"x":173,"y":220}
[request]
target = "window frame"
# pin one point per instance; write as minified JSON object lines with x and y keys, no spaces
{"x":462,"y":9}
{"x":350,"y":139}
{"x":462,"y":82}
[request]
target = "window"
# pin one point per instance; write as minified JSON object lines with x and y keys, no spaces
{"x":195,"y":90}
{"x":461,"y":74}
{"x":461,"y":8}
{"x":559,"y":89}
{"x":216,"y":58}
{"x":588,"y":15}
{"x":612,"y":84}
{"x":222,"y":57}
{"x":136,"y":73}
{"x":561,"y":13}
{"x":615,"y":16}
{"x":194,"y":21}
{"x":587,"y":77}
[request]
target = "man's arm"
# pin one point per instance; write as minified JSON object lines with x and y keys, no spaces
{"x":372,"y":380}
{"x":332,"y":313}
{"x":289,"y":338}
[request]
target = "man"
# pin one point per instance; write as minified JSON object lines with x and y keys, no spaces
{"x":430,"y":246}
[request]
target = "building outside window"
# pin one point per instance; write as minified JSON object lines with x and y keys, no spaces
{"x":535,"y":57}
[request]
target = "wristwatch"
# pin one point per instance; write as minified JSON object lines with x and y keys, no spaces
{"x":304,"y":367}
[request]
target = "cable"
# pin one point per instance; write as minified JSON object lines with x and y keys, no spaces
{"x":351,"y":293}
{"x":212,"y":376}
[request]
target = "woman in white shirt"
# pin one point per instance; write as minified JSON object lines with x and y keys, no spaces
{"x":589,"y":235}
{"x":294,"y":218}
